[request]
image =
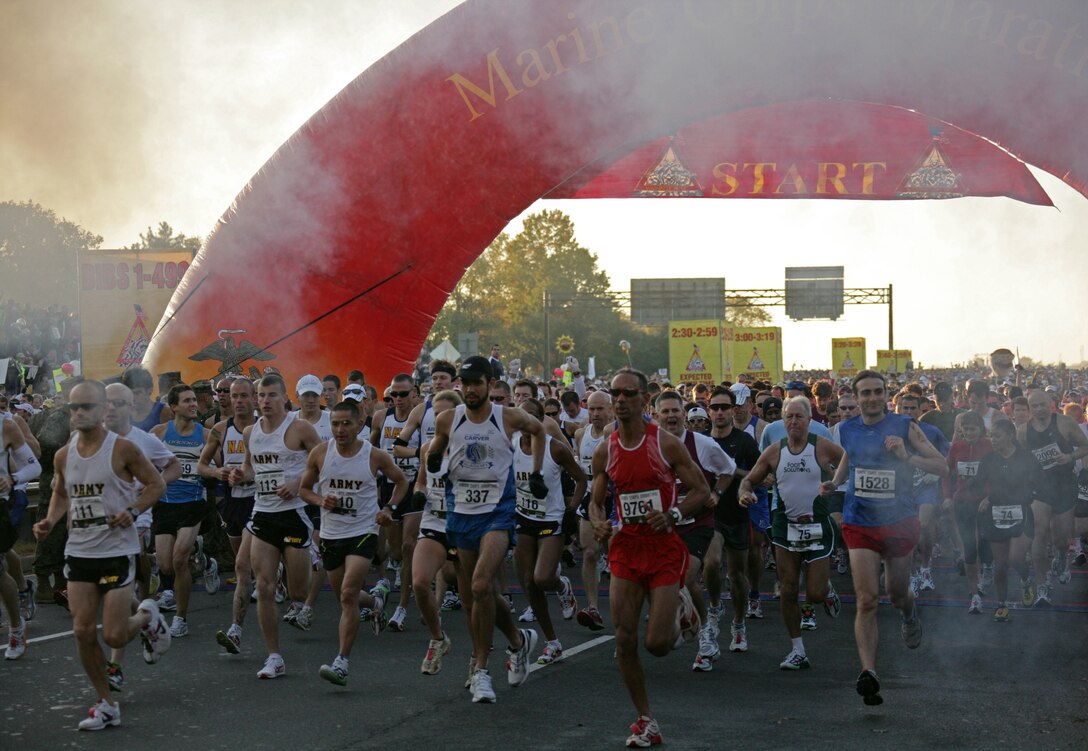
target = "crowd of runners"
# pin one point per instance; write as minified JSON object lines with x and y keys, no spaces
{"x":690,"y":499}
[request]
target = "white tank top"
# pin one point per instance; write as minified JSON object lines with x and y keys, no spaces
{"x":586,"y":448}
{"x":426,"y":425}
{"x":356,"y":487}
{"x":480,"y":463}
{"x":4,"y":460}
{"x":96,"y":494}
{"x":798,"y":480}
{"x":391,"y":428}
{"x":323,"y":426}
{"x":274,"y":465}
{"x":234,"y":455}
{"x":549,"y":508}
{"x":434,"y":513}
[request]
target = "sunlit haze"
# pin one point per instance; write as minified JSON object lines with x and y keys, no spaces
{"x":119,"y":114}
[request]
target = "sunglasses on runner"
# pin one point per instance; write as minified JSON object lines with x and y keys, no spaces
{"x":399,"y":394}
{"x":222,"y":391}
{"x":85,"y":406}
{"x":497,"y":399}
{"x":551,"y":414}
{"x":629,"y":393}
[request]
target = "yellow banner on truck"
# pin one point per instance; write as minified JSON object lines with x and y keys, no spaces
{"x":847,"y":357}
{"x":757,"y":353}
{"x":695,"y":352}
{"x":122,"y":296}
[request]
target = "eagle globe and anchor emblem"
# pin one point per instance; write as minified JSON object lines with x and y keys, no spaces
{"x":231,"y":355}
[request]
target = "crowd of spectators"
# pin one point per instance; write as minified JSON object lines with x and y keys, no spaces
{"x":35,"y":340}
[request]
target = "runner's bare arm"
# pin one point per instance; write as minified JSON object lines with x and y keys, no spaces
{"x":245,"y":473}
{"x":382,"y":462}
{"x":210,"y":453}
{"x":764,"y":467}
{"x":415,"y":419}
{"x":926,"y":456}
{"x":59,"y":501}
{"x":314,"y":462}
{"x":564,"y":457}
{"x":602,"y":527}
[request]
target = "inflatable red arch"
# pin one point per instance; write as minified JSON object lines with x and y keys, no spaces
{"x":341,"y":251}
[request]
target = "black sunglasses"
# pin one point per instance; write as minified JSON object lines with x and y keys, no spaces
{"x":399,"y":394}
{"x":85,"y":406}
{"x":551,"y":414}
{"x":222,"y":391}
{"x":629,"y":393}
{"x":499,"y":399}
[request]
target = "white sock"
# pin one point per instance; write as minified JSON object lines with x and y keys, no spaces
{"x":799,"y":645}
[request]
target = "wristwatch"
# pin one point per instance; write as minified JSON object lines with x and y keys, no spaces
{"x":134,"y":512}
{"x":677,"y":517}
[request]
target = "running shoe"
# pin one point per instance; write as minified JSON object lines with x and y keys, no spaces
{"x":976,"y":605}
{"x":471,"y":670}
{"x":304,"y":619}
{"x":739,"y":640}
{"x":1080,"y":557}
{"x":518,"y":659}
{"x":436,"y":648}
{"x":364,"y":614}
{"x":482,"y":692}
{"x":450,"y":601}
{"x":644,"y":733}
{"x":231,"y":639}
{"x":912,"y":631}
{"x":1001,"y":615}
{"x":1064,"y":576}
{"x":16,"y":642}
{"x":869,"y":688}
{"x":396,"y":623}
{"x":687,"y":617}
{"x":553,"y":650}
{"x":602,"y":565}
{"x":794,"y":661}
{"x":211,"y":577}
{"x":527,"y":615}
{"x":281,"y":586}
{"x":336,"y":673}
{"x":155,"y":635}
{"x":833,"y":603}
{"x":28,"y":606}
{"x":915,"y":585}
{"x":776,"y":593}
{"x":179,"y":627}
{"x":102,"y":715}
{"x":200,"y":561}
{"x":769,"y":562}
{"x":1042,"y":595}
{"x":166,"y":601}
{"x":1027,"y":592}
{"x":843,"y":565}
{"x":928,"y":585}
{"x":273,"y":668}
{"x":292,"y":612}
{"x":568,"y":558}
{"x":567,"y":601}
{"x":377,"y":613}
{"x":709,"y":651}
{"x":591,"y":618}
{"x":808,"y":618}
{"x":114,"y":676}
{"x":755,"y":609}
{"x":961,"y":566}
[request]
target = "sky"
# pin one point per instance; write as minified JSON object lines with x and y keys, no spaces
{"x":119,"y":114}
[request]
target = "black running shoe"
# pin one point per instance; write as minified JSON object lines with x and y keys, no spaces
{"x":869,"y":688}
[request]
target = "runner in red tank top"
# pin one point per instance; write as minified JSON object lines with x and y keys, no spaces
{"x":641,"y":464}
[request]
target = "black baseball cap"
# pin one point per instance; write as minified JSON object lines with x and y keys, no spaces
{"x":474,"y":368}
{"x":771,"y":402}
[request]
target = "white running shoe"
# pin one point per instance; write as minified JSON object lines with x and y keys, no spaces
{"x":155,"y":635}
{"x":200,"y":561}
{"x":336,"y":673}
{"x":303,"y":619}
{"x":167,"y":601}
{"x":928,"y":585}
{"x":281,"y":587}
{"x":687,"y":617}
{"x":396,"y":623}
{"x":739,"y":640}
{"x":976,"y":605}
{"x":292,"y":612}
{"x":518,"y":659}
{"x":231,"y":639}
{"x":436,"y":648}
{"x":102,"y":715}
{"x":211,"y":577}
{"x":482,"y":692}
{"x":553,"y":650}
{"x":179,"y":627}
{"x":567,"y":601}
{"x":273,"y":668}
{"x":527,"y":615}
{"x":1065,"y":576}
{"x":794,"y":661}
{"x":16,"y":641}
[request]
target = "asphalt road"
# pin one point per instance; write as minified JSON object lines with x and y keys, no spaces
{"x":973,"y":683}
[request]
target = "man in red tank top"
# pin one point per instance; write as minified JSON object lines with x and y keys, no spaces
{"x":648,"y":559}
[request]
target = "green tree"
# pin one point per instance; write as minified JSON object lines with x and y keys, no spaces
{"x":164,"y":238}
{"x":39,"y":251}
{"x":501,"y":298}
{"x":740,"y":315}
